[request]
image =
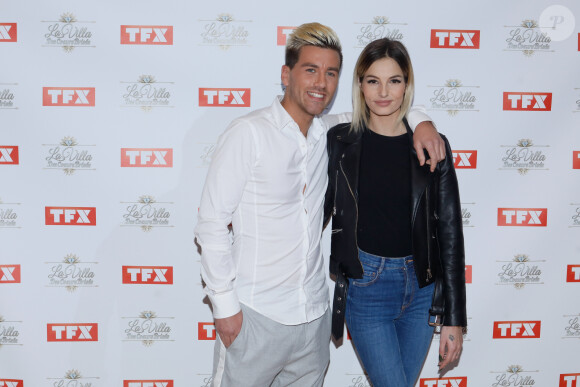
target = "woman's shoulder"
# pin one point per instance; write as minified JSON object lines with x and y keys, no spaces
{"x":339,"y":129}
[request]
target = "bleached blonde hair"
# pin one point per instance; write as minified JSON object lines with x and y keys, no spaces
{"x":311,"y":34}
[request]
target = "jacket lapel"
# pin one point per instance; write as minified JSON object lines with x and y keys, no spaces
{"x":350,"y":159}
{"x":420,"y":175}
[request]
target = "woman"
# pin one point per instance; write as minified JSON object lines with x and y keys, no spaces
{"x":397,"y":240}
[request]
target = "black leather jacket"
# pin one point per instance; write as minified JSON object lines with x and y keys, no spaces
{"x":437,"y":235}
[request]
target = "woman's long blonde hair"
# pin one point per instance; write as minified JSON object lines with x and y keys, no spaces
{"x":375,"y":50}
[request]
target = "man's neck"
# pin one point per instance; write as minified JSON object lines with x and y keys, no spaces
{"x":303,"y":120}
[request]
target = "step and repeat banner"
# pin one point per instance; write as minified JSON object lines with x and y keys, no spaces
{"x":109,"y":114}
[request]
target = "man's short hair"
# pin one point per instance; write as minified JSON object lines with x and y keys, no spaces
{"x":311,"y":34}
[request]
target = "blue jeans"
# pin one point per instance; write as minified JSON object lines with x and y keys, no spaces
{"x":387,"y":316}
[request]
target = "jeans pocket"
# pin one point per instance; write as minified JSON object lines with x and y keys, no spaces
{"x":371,"y":269}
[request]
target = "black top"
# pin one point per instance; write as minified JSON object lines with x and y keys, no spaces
{"x":384,"y":200}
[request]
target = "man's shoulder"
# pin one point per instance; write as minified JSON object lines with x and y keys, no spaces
{"x":264,"y":113}
{"x":258,"y":118}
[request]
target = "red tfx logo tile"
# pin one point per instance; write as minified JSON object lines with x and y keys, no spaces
{"x":8,"y":33}
{"x":148,"y":383}
{"x":465,"y":159}
{"x":11,"y":383}
{"x":224,"y":97}
{"x":147,"y":157}
{"x":72,"y":332}
{"x":468,"y":274}
{"x":8,"y":155}
{"x":576,"y":160}
{"x":157,"y":275}
{"x":68,"y":96}
{"x":573,"y":274}
{"x":538,"y":102}
{"x":569,"y":380}
{"x":283,"y":33}
{"x":459,"y":381}
{"x":516,"y":329}
{"x":70,"y":216}
{"x":463,"y":39}
{"x":527,"y":217}
{"x":151,"y":35}
{"x":206,"y":331}
{"x":9,"y":274}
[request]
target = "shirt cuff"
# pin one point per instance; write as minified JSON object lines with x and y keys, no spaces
{"x":224,"y":304}
{"x":417,"y":115}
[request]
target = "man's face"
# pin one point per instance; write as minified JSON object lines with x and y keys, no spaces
{"x":311,"y":83}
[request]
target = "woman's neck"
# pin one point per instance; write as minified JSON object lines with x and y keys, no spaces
{"x":387,"y":125}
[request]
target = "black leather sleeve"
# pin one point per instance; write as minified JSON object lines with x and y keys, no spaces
{"x":450,"y":236}
{"x":329,"y":196}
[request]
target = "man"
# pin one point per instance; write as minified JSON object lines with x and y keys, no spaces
{"x":268,"y":178}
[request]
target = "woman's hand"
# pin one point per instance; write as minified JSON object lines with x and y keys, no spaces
{"x":450,"y":345}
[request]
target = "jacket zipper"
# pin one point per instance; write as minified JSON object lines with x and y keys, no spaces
{"x":429,"y":274}
{"x":356,"y":220}
{"x":335,"y":187}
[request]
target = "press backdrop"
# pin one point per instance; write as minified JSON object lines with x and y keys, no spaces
{"x":109,"y":113}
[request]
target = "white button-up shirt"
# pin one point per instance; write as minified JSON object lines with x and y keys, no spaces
{"x":268,"y":181}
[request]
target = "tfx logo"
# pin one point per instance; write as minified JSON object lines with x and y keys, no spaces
{"x":459,"y":381}
{"x":72,"y":332}
{"x":70,"y":216}
{"x":569,"y":380}
{"x":150,"y":35}
{"x":538,"y":102}
{"x":465,"y":159}
{"x":8,"y":33}
{"x":461,"y":39}
{"x":9,"y":274}
{"x":206,"y":331}
{"x":147,"y":157}
{"x":148,"y":383}
{"x":525,"y":217}
{"x":573,"y":274}
{"x":516,"y":329}
{"x":283,"y":33}
{"x":224,"y":97}
{"x":8,"y":155}
{"x":68,"y":96}
{"x":155,"y":275}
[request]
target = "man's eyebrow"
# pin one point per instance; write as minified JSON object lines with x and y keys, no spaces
{"x":307,"y":64}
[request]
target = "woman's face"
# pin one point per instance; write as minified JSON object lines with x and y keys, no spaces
{"x":383,"y":86}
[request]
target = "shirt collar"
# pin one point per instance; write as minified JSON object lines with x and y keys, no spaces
{"x":284,"y":121}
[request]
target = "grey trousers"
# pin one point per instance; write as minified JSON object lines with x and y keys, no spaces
{"x":267,"y":353}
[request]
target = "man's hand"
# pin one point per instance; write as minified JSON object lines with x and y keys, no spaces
{"x":228,"y":328}
{"x":451,"y":343}
{"x":426,"y":137}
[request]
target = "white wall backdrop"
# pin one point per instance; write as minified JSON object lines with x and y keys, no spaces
{"x":109,"y":111}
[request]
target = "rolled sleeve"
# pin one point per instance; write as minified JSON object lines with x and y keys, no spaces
{"x":416,"y":115}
